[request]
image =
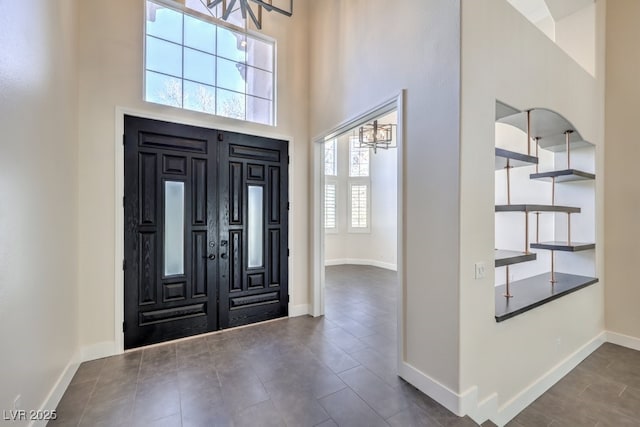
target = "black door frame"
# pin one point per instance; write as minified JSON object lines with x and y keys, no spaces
{"x":108,"y":348}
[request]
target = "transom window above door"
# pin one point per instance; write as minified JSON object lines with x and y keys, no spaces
{"x":194,"y":63}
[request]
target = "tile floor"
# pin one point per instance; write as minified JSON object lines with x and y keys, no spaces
{"x":333,"y":371}
{"x":603,"y":391}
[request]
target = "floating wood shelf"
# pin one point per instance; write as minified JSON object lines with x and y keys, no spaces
{"x":515,"y":159}
{"x":535,"y":291}
{"x":548,"y":126}
{"x":504,"y":257}
{"x":563,"y":175}
{"x":563,"y":246}
{"x":536,"y":208}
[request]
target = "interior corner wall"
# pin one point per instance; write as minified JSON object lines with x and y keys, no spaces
{"x":38,"y":199}
{"x":622,"y":192}
{"x":362,"y":54}
{"x":111,"y":75}
{"x":506,"y":58}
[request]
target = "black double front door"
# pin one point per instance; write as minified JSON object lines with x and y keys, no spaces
{"x":206,"y":230}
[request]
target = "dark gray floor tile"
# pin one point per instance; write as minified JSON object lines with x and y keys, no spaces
{"x":333,"y":357}
{"x":239,"y":395}
{"x":265,"y":414}
{"x":296,"y":402}
{"x":111,"y":413}
{"x":413,"y":416}
{"x":207,"y":415}
{"x":107,"y":389}
{"x":531,"y":417}
{"x":385,"y":400}
{"x":88,"y":371}
{"x":153,"y":403}
{"x":170,"y":421}
{"x":347,"y":409}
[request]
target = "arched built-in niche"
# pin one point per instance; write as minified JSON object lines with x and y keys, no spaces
{"x":537,"y":151}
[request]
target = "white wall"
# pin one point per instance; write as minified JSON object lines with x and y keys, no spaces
{"x":504,"y":57}
{"x":111,"y":63}
{"x":38,"y":198}
{"x":358,"y":61}
{"x":622,"y":190}
{"x":378,"y":247}
{"x":576,"y":34}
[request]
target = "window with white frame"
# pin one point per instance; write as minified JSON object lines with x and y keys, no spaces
{"x":359,"y":185}
{"x":194,"y":64}
{"x":359,"y":207}
{"x":330,"y":213}
{"x":331,"y":157}
{"x":331,"y":185}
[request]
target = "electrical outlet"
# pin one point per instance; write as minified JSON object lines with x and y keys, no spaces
{"x":480,"y":270}
{"x":17,"y":402}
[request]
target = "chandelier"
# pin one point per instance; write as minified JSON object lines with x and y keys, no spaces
{"x":247,"y":9}
{"x":376,"y":136}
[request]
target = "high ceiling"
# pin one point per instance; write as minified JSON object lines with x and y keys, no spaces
{"x":537,"y":10}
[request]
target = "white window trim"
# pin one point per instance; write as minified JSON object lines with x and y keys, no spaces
{"x":366,"y":181}
{"x":332,"y":180}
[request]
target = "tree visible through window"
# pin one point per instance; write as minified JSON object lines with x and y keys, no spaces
{"x":192,"y":63}
{"x":359,"y":184}
{"x":358,"y":158}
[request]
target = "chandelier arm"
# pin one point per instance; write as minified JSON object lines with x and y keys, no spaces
{"x":213,"y":3}
{"x":243,"y":8}
{"x":255,"y":20}
{"x":227,"y":12}
{"x":269,"y":7}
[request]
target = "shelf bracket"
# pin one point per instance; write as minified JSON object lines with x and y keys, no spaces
{"x":529,"y":132}
{"x":507,"y":292}
{"x":508,"y":168}
{"x":526,"y":232}
{"x":536,"y":139}
{"x":566,"y":137}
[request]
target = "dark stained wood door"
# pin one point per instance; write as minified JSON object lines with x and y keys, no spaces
{"x":189,"y":232}
{"x":253,"y":229}
{"x":170,"y":231}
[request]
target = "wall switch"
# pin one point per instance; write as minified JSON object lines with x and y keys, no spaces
{"x":480,"y":270}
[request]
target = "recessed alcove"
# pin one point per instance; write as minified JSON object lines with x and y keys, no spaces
{"x":545,"y":209}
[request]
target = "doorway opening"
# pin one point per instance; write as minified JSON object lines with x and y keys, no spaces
{"x":358,"y":275}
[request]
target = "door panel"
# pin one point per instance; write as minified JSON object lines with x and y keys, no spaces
{"x":253,"y":229}
{"x":205,"y":230}
{"x":170,"y":216}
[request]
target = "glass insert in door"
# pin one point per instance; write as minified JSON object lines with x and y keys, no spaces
{"x":255,"y":222}
{"x":173,"y":228}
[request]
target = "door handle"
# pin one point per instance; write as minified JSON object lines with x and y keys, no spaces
{"x":212,"y":257}
{"x":223,"y":256}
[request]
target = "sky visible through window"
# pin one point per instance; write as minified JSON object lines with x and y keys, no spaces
{"x":196,"y":65}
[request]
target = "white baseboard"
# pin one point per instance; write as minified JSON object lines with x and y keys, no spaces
{"x":358,"y":261}
{"x":502,"y":415}
{"x":432,"y":388}
{"x":298,"y":310}
{"x":624,"y":340}
{"x":97,"y":351}
{"x":56,"y":393}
